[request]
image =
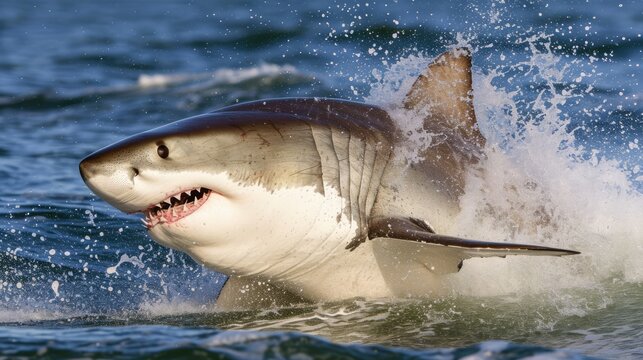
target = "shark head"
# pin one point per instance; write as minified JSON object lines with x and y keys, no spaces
{"x":210,"y":186}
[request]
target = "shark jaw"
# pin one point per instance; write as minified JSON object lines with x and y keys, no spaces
{"x":176,"y":207}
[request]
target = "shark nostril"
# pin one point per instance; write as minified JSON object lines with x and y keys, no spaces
{"x":135,"y":171}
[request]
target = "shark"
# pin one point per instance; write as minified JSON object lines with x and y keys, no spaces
{"x":311,"y":199}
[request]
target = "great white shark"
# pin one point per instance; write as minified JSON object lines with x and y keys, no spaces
{"x":309,"y":198}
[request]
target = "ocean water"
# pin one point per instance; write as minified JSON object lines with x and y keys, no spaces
{"x":557,"y":89}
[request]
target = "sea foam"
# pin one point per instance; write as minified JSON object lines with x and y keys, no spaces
{"x":540,"y":184}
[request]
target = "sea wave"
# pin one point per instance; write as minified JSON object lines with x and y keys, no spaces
{"x":220,"y":76}
{"x":166,"y":342}
{"x":194,"y":88}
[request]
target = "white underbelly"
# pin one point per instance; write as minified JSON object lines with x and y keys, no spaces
{"x":369,"y":272}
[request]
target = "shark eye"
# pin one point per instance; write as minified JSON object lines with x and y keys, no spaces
{"x":163,"y":151}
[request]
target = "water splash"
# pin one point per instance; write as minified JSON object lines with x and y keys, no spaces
{"x":134,"y":260}
{"x":541,"y":182}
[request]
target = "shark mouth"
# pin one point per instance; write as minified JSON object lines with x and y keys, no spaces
{"x":176,"y":207}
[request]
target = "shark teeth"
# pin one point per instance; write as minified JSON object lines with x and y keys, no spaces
{"x":176,"y":207}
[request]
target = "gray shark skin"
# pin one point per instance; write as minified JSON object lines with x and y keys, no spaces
{"x":307,"y":198}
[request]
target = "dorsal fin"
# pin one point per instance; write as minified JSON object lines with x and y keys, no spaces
{"x":444,"y":92}
{"x":444,"y":96}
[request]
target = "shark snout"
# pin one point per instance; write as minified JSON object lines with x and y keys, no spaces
{"x":112,"y":180}
{"x":87,"y":169}
{"x":92,"y":166}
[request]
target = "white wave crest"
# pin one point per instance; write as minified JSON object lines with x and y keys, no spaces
{"x":220,"y":76}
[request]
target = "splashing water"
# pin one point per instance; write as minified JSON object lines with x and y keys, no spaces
{"x":540,"y":183}
{"x":134,"y":260}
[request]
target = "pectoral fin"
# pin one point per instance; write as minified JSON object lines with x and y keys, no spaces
{"x":415,"y":240}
